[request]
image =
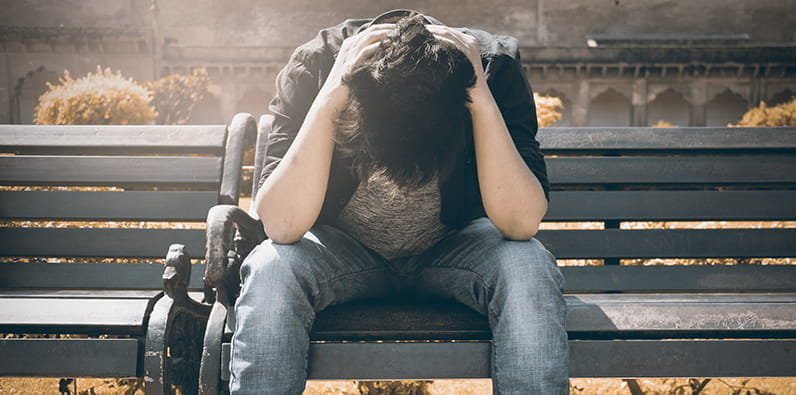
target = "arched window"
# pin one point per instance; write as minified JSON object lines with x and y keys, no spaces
{"x":27,"y":92}
{"x":781,"y":97}
{"x":669,"y":106}
{"x":609,"y":108}
{"x":726,"y":108}
{"x":254,"y":101}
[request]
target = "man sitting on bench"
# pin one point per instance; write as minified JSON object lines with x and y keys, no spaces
{"x":402,"y":161}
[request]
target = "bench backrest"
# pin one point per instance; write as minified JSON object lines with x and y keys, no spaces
{"x":114,"y":177}
{"x":615,"y":176}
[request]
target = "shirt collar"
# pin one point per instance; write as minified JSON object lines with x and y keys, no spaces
{"x":399,"y":12}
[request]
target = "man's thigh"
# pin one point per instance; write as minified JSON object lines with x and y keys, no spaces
{"x":326,"y":265}
{"x":469,"y":264}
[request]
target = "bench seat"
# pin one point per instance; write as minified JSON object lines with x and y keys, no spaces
{"x":611,"y":335}
{"x":108,"y":312}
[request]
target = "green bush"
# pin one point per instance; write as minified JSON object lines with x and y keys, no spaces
{"x":175,"y":96}
{"x":101,"y":98}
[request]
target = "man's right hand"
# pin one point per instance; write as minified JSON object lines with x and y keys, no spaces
{"x":354,"y":50}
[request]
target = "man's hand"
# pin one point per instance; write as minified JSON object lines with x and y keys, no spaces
{"x":464,"y":42}
{"x":354,"y":50}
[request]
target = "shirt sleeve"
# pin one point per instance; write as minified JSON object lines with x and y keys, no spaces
{"x":514,"y":97}
{"x":296,"y":89}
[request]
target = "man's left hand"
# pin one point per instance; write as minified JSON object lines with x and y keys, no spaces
{"x":464,"y":42}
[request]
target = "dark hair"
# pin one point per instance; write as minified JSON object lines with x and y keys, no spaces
{"x":407,"y":114}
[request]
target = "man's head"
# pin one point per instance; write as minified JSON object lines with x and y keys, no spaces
{"x":407,"y":115}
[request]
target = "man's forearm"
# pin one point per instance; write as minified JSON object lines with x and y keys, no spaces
{"x":513,"y":198}
{"x":290,"y":200}
{"x":512,"y":195}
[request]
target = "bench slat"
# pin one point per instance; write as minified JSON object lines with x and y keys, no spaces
{"x":682,"y":316}
{"x":69,"y":357}
{"x":578,"y":279}
{"x":96,"y":170}
{"x":131,"y":138}
{"x":79,"y":294}
{"x":107,"y":205}
{"x":604,"y":205}
{"x":617,"y":316}
{"x":90,"y":276}
{"x":92,"y":242}
{"x":676,"y":138}
{"x":613,"y":278}
{"x":670,"y":243}
{"x":74,"y":315}
{"x":588,"y":358}
{"x":683,"y":358}
{"x":671,"y":205}
{"x":731,"y":169}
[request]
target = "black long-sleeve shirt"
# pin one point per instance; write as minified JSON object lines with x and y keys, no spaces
{"x":299,"y":82}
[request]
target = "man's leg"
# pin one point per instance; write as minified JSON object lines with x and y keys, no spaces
{"x":517,"y":284}
{"x":283,"y":286}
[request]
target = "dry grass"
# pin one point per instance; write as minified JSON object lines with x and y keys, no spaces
{"x":45,"y":386}
{"x":103,"y":224}
{"x":720,"y":386}
{"x":680,"y":386}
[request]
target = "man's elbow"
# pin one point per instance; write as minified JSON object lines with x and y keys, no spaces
{"x":282,"y":234}
{"x":520,"y":230}
{"x":283,"y":238}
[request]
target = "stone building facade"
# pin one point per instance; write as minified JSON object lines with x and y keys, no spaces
{"x":612,"y":62}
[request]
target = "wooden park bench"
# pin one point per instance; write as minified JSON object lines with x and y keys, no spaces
{"x":168,"y":174}
{"x":623,"y":320}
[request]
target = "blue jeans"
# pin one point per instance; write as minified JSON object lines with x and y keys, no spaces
{"x":517,"y":284}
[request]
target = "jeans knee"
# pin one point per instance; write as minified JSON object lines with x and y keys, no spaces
{"x":275,"y":266}
{"x":527,"y":265}
{"x":276,"y":282}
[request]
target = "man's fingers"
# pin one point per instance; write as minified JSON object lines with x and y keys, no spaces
{"x":368,"y":51}
{"x":461,"y":39}
{"x":369,"y":36}
{"x":375,"y":31}
{"x":444,"y":31}
{"x":380,"y":26}
{"x":461,"y":46}
{"x":449,"y":41}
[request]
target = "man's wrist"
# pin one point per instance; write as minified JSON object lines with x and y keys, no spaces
{"x":480,"y":95}
{"x":333,"y":98}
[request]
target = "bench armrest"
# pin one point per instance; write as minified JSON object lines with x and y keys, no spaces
{"x":231,"y":235}
{"x":242,"y":134}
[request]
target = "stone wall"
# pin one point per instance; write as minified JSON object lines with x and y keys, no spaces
{"x":534,"y":22}
{"x":698,"y":50}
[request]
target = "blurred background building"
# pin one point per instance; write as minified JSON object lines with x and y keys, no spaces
{"x":612,"y":62}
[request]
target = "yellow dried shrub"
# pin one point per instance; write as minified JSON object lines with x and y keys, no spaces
{"x":547,"y":109}
{"x":781,"y":115}
{"x":101,"y":98}
{"x":175,"y":95}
